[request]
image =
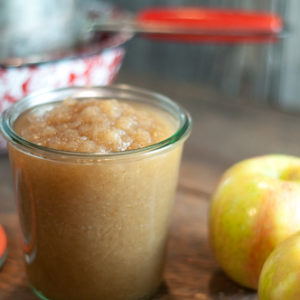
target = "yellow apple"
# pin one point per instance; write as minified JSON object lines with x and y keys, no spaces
{"x":280,"y":276}
{"x":255,"y":206}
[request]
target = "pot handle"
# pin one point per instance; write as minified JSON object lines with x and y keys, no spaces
{"x":206,"y":24}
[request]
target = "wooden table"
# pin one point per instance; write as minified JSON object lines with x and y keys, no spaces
{"x":223,"y":133}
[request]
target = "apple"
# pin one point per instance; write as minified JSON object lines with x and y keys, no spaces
{"x":3,"y":245}
{"x":255,"y":206}
{"x":280,"y":276}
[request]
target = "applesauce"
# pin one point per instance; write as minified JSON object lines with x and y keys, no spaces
{"x":95,"y":172}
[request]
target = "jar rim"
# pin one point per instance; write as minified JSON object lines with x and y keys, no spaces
{"x":120,"y":91}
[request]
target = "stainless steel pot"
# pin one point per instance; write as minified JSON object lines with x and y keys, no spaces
{"x":36,"y":31}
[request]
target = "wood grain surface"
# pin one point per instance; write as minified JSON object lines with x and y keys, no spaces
{"x":223,"y":133}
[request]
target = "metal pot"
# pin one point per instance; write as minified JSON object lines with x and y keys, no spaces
{"x":37,"y":31}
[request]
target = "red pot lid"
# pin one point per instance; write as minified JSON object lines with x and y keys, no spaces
{"x":3,"y":246}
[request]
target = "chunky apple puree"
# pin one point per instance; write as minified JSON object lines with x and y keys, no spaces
{"x":95,"y":228}
{"x":96,"y":126}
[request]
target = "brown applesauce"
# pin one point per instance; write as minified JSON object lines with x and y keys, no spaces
{"x":95,"y":226}
{"x":96,"y":126}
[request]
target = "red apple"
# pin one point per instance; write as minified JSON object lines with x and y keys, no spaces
{"x":3,"y":244}
{"x":280,"y":276}
{"x":255,"y":206}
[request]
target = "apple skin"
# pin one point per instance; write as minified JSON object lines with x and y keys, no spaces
{"x":280,"y":276}
{"x":3,"y":246}
{"x":255,"y":206}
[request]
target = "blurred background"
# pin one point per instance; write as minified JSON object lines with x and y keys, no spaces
{"x":263,"y":74}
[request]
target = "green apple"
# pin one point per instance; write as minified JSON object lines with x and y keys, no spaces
{"x":280,"y":276}
{"x":255,"y":206}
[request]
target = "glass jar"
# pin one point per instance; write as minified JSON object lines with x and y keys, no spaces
{"x":94,"y":226}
